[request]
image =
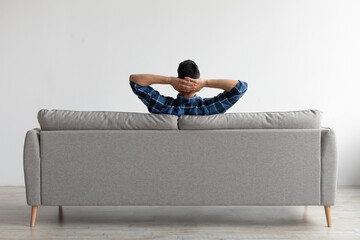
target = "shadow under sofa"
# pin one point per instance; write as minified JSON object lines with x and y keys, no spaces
{"x":81,"y":158}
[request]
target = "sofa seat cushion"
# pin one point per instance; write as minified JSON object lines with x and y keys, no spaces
{"x":306,"y":119}
{"x":104,"y":120}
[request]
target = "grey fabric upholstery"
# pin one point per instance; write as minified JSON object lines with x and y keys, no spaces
{"x":217,"y":167}
{"x":113,"y":158}
{"x":329,"y":158}
{"x":32,"y":167}
{"x":102,"y":120}
{"x":306,"y":119}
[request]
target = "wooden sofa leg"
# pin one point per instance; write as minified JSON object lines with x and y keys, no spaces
{"x":61,"y":214}
{"x":328,"y":215}
{"x":33,"y":215}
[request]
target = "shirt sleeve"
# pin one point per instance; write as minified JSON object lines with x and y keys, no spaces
{"x":225,"y":100}
{"x":152,"y":99}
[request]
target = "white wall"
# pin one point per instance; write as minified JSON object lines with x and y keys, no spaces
{"x":78,"y":55}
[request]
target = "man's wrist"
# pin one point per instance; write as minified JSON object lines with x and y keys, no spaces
{"x":204,"y":83}
{"x":169,"y":80}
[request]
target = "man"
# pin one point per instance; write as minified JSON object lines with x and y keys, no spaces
{"x":187,"y":84}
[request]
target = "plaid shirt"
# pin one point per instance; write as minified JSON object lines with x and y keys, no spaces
{"x":196,"y":105}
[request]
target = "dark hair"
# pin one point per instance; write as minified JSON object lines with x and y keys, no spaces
{"x":188,"y":68}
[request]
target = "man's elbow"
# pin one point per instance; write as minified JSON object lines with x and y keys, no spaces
{"x":240,"y":90}
{"x":133,"y":78}
{"x":244,"y":87}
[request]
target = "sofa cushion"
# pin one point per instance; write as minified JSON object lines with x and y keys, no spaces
{"x":104,"y":120}
{"x":306,"y":119}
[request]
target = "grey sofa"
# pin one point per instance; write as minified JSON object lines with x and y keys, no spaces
{"x":118,"y":158}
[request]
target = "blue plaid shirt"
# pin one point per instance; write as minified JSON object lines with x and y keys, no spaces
{"x":196,"y":105}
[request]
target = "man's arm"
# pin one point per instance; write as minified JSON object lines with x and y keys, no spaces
{"x":225,"y":84}
{"x":148,"y":79}
{"x":155,"y":102}
{"x":152,"y":99}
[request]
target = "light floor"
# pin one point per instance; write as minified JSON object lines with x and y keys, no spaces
{"x":179,"y":222}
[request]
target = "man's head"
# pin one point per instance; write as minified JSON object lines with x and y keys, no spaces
{"x":188,"y":68}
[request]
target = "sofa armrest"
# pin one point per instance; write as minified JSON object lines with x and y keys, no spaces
{"x":329,"y":166}
{"x":32,"y":167}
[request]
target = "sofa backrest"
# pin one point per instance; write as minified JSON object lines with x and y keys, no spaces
{"x":306,"y":119}
{"x":105,"y":120}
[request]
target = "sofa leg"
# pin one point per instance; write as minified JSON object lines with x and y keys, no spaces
{"x":328,"y":215}
{"x":33,"y":215}
{"x":61,"y":214}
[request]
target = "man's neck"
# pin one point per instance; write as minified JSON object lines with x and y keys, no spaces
{"x":188,"y":95}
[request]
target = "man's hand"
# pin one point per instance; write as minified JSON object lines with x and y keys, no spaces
{"x":175,"y":83}
{"x":191,"y":85}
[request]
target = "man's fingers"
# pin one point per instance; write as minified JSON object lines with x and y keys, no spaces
{"x":185,"y":85}
{"x":191,"y":80}
{"x":186,"y":82}
{"x":187,"y":89}
{"x":188,"y":79}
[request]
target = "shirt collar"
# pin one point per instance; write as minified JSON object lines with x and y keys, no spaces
{"x":187,"y":100}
